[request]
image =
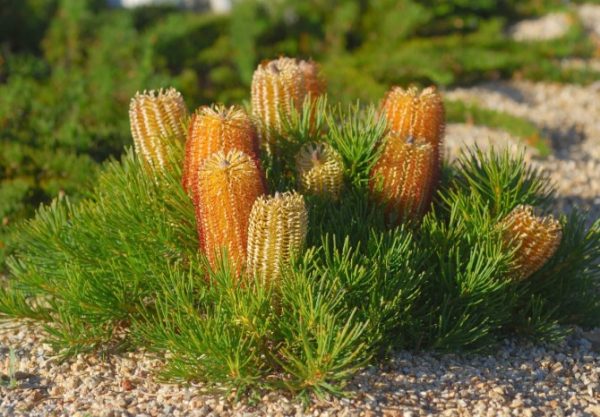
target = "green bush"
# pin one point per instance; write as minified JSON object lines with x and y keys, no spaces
{"x":121,"y":269}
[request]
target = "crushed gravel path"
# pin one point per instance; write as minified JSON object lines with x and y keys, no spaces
{"x":517,"y":380}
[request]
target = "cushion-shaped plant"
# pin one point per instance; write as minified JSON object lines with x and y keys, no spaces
{"x":348,"y":290}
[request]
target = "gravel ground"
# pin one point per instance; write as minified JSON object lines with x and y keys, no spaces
{"x":462,"y":135}
{"x":517,"y":380}
{"x":555,"y":25}
{"x":589,"y":14}
{"x":544,"y":28}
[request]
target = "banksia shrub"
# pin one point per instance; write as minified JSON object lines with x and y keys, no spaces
{"x":277,"y":86}
{"x":214,"y":129}
{"x":277,"y":229}
{"x":226,"y":188}
{"x":332,"y":300}
{"x":403,"y":179}
{"x":536,"y":239}
{"x":156,"y":118}
{"x":415,"y":114}
{"x":320,"y":170}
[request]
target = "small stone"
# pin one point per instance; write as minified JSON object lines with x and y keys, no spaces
{"x":593,"y":410}
{"x":392,"y":412}
{"x":517,"y":403}
{"x":127,"y":385}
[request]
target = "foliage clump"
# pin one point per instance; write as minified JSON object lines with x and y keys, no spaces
{"x":331,"y":284}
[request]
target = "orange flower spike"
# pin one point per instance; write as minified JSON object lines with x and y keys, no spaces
{"x":536,"y":239}
{"x":212,"y":129}
{"x":415,"y":114}
{"x":320,"y":170}
{"x":314,"y":83}
{"x":156,"y":118}
{"x":276,"y":86}
{"x":277,"y":229}
{"x":226,"y":188}
{"x":404,"y":178}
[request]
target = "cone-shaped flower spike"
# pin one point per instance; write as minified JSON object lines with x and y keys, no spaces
{"x":415,"y":114}
{"x":320,"y":170}
{"x":276,"y":231}
{"x":314,"y":83}
{"x":277,"y":86}
{"x":226,"y":188}
{"x":156,"y":118}
{"x":214,"y":129}
{"x":404,"y":178}
{"x":537,"y":239}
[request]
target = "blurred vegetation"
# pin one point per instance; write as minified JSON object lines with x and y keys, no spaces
{"x":69,"y":67}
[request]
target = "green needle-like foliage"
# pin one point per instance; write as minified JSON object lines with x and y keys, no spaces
{"x":356,"y":134}
{"x":121,"y":269}
{"x":95,"y":263}
{"x":323,"y":343}
{"x":213,"y":332}
{"x":502,"y":180}
{"x":465,"y":297}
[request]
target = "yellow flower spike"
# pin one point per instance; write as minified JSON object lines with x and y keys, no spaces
{"x":277,"y":230}
{"x":536,"y":238}
{"x":156,"y":117}
{"x":227,"y":186}
{"x":276,"y":86}
{"x":404,"y":178}
{"x":320,"y":170}
{"x":416,"y":114}
{"x":213,"y":129}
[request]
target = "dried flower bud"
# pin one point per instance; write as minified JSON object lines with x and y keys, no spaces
{"x":276,"y":231}
{"x":404,"y":178}
{"x":536,"y":239}
{"x":277,"y":86}
{"x":226,"y":188}
{"x":415,"y":114}
{"x":214,"y":129}
{"x":320,"y":170}
{"x":156,"y":119}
